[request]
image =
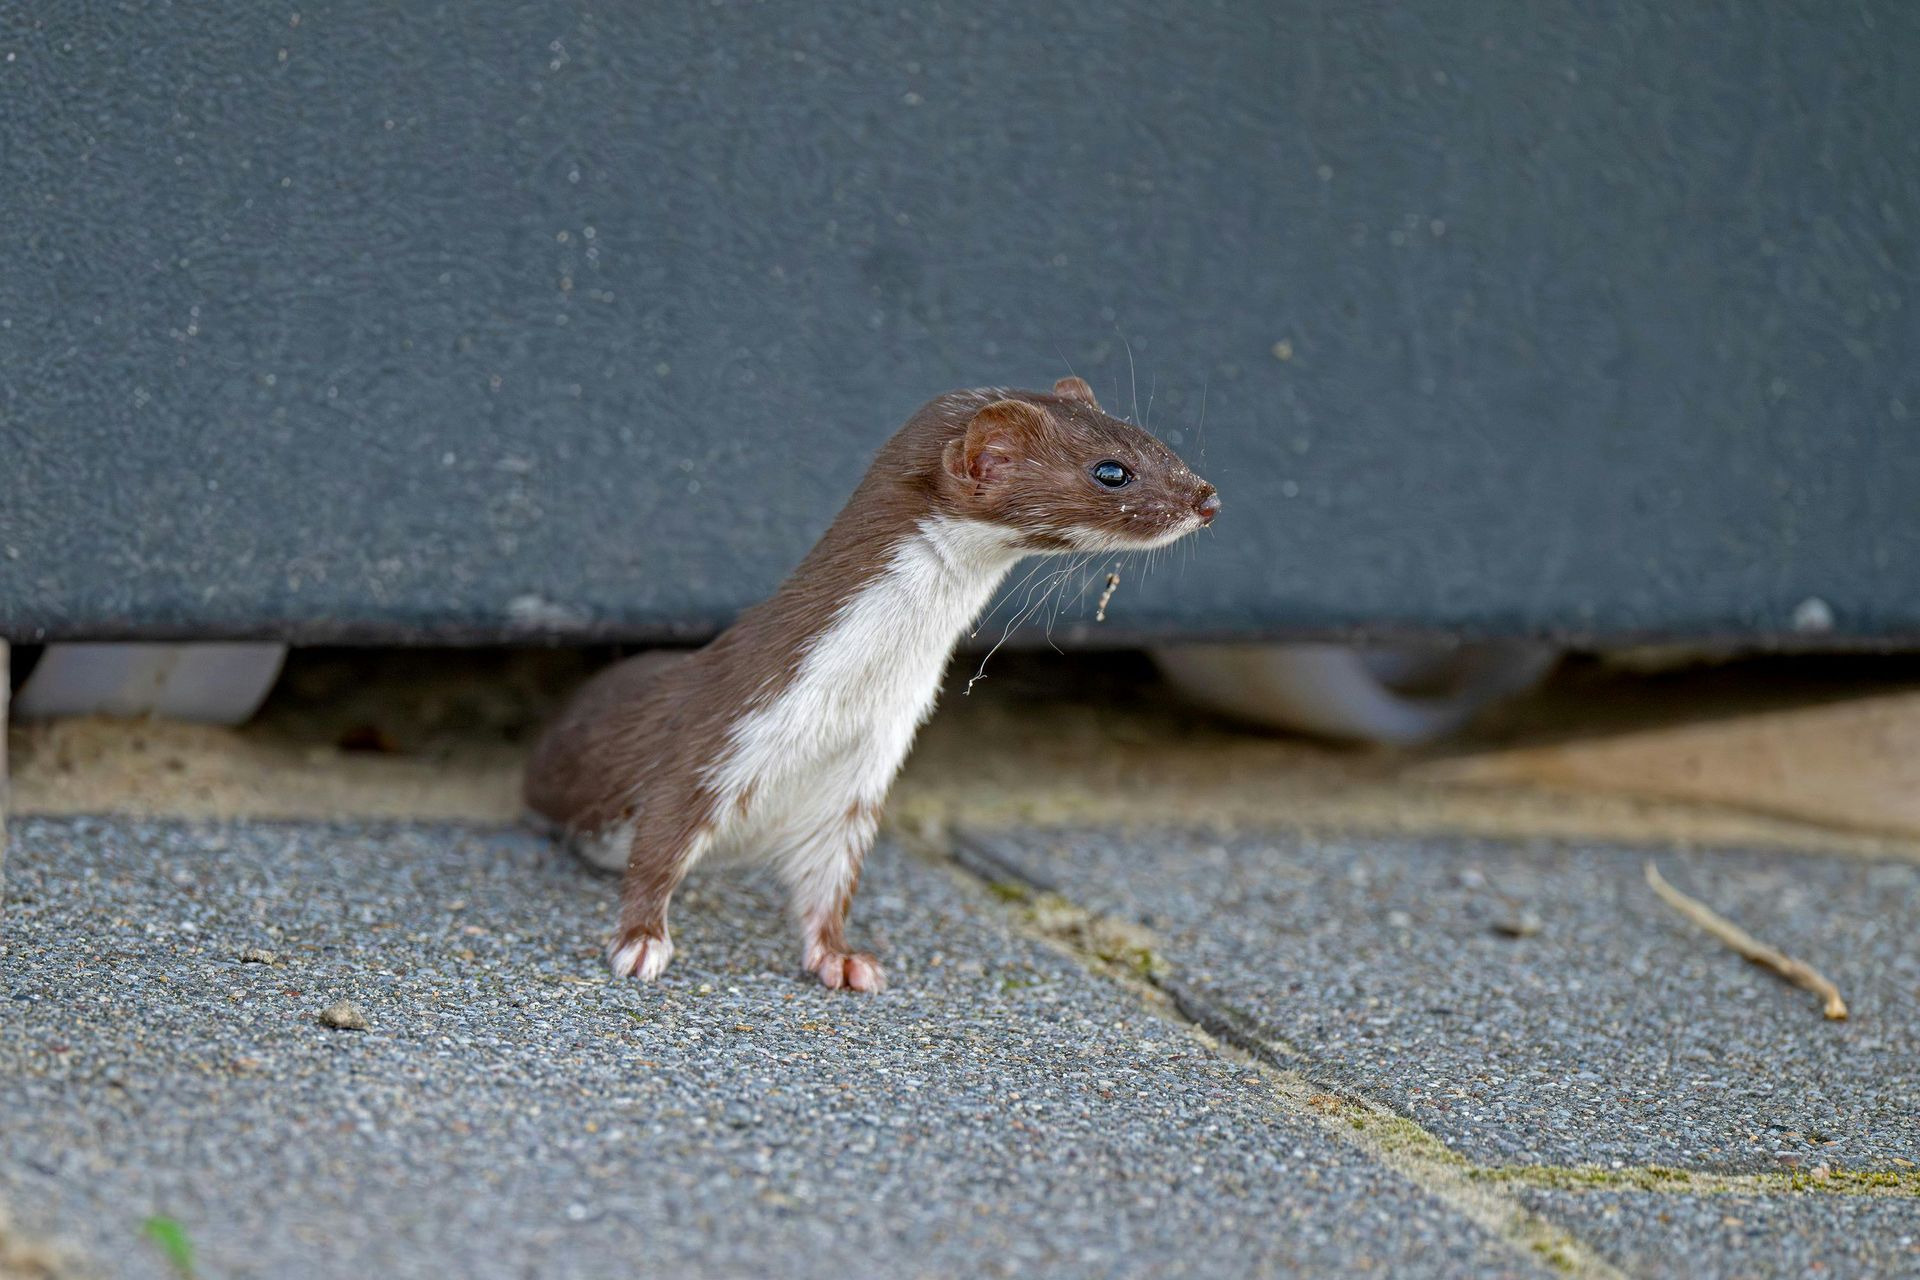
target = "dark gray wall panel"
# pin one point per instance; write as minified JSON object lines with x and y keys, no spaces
{"x":327,"y":320}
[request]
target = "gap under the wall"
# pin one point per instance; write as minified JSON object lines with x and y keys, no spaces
{"x":1767,"y":751}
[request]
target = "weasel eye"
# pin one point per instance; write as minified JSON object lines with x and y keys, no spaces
{"x":1111,"y":473}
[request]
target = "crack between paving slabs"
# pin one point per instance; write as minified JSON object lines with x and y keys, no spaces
{"x":1125,"y":952}
{"x":1009,"y":881}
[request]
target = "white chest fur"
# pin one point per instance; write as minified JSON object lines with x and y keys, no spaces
{"x":835,"y":737}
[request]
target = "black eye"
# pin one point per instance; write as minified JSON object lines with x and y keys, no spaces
{"x":1111,"y":473}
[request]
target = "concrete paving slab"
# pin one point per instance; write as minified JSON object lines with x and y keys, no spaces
{"x":508,"y":1112}
{"x":1723,"y":1237}
{"x":1615,"y":1034}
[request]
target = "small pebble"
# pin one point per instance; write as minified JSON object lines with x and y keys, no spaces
{"x":258,"y":955}
{"x":343,"y":1015}
{"x":1524,"y":925}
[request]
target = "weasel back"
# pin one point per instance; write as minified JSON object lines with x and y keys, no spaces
{"x":574,"y":779}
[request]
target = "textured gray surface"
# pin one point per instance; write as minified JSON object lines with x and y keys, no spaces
{"x":999,"y":1112}
{"x":363,"y":319}
{"x":1725,"y":1237}
{"x":1616,"y":1033}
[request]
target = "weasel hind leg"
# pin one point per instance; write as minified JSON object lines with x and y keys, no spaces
{"x":822,"y":875}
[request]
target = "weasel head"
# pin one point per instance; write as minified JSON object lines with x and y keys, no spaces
{"x":1065,"y":476}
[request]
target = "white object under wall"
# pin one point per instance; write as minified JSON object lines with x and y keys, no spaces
{"x":208,"y":683}
{"x":1398,"y":694}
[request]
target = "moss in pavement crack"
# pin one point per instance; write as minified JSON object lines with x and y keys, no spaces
{"x":1653,"y":1177}
{"x":1132,"y":951}
{"x":1128,"y":947}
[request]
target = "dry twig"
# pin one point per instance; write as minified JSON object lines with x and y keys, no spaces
{"x":1748,"y":946}
{"x":1100,"y":610}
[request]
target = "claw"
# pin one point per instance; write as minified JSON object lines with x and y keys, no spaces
{"x":852,"y":970}
{"x":644,"y":958}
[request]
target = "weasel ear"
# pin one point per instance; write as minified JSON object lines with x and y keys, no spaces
{"x":997,"y":438}
{"x":1075,"y":389}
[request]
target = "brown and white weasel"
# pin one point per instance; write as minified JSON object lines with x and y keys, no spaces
{"x":782,"y":736}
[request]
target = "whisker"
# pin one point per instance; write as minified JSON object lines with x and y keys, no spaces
{"x":1200,"y":432}
{"x":1135,"y":563}
{"x":1025,"y":613}
{"x":1153,"y":558}
{"x":1131,"y":376}
{"x":1060,"y":599}
{"x":1063,"y":360}
{"x":1086,"y":584}
{"x":1051,"y":584}
{"x":1059,"y":579}
{"x":1047,"y":634}
{"x":1038,"y":565}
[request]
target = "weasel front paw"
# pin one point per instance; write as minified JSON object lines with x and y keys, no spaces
{"x":642,"y":957}
{"x":854,"y":970}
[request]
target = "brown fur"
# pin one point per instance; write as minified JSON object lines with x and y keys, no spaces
{"x":655,"y":725}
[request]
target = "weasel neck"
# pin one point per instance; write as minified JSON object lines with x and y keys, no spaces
{"x":867,"y":678}
{"x":973,"y":554}
{"x":935,"y":582}
{"x":881,"y":654}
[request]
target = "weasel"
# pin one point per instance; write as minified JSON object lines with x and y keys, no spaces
{"x":782,"y":736}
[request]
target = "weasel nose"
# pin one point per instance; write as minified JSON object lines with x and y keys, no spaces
{"x":1208,"y":507}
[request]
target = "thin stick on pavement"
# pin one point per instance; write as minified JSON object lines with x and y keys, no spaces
{"x":1799,"y":973}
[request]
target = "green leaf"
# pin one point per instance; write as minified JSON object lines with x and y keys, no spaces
{"x":172,"y":1239}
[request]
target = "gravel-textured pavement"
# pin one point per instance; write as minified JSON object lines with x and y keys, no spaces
{"x":1731,"y":1237}
{"x":508,"y":1112}
{"x":1608,"y":1031}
